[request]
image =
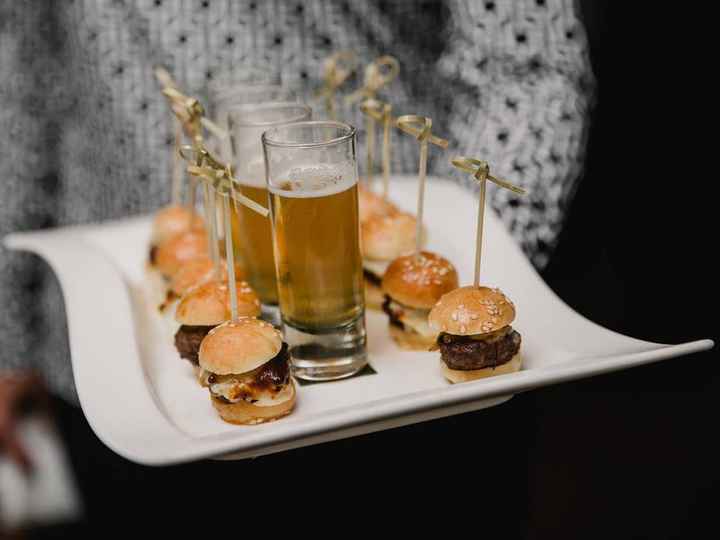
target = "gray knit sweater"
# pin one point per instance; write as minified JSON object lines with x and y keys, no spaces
{"x":85,"y":135}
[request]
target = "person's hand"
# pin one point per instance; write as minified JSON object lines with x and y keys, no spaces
{"x":16,"y":388}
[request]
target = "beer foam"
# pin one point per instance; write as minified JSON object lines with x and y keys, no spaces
{"x":314,"y":181}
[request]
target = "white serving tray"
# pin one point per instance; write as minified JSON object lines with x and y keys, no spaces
{"x":142,"y":400}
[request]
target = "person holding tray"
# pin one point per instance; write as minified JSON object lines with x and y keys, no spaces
{"x":86,"y":138}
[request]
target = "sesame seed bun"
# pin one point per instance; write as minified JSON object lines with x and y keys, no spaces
{"x":239,"y":346}
{"x":385,"y":237}
{"x":209,"y":304}
{"x":472,"y":310}
{"x":196,"y":272}
{"x":172,"y":220}
{"x":410,"y":340}
{"x":461,"y":375}
{"x":371,"y":204}
{"x":245,"y":413}
{"x":418,"y":281}
{"x":180,"y":249}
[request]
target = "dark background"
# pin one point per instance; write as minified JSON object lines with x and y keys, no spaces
{"x":625,"y":455}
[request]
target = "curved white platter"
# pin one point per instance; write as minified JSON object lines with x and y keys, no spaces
{"x":142,"y":400}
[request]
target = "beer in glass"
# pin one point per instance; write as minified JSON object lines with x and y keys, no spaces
{"x":251,"y":231}
{"x":312,"y":177}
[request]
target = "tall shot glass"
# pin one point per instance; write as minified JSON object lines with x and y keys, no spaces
{"x":252,"y":232}
{"x":312,"y":176}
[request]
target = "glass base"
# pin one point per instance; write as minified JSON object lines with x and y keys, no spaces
{"x":271,"y":313}
{"x":328,"y":354}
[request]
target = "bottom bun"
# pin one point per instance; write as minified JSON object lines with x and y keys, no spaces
{"x":245,"y":413}
{"x":410,"y":340}
{"x":464,"y":375}
{"x":374,"y":296}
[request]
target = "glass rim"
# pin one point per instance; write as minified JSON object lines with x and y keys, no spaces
{"x":351,"y":130}
{"x":269,"y":105}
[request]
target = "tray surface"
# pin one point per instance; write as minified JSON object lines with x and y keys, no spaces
{"x":144,"y":403}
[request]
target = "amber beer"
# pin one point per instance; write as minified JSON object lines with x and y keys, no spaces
{"x":312,"y":177}
{"x":319,"y":265}
{"x":252,"y":236}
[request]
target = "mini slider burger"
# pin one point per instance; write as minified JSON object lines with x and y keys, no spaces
{"x":476,"y":339}
{"x":371,"y":204}
{"x":412,"y":286}
{"x":244,"y":364}
{"x":383,"y":239}
{"x":192,"y":274}
{"x":206,"y":306}
{"x":172,"y":220}
{"x":169,"y":256}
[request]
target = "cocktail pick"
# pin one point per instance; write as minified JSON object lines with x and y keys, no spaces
{"x":480,"y":171}
{"x":166,"y":81}
{"x":369,"y":144}
{"x":224,"y":147}
{"x":213,"y":172}
{"x":177,"y":168}
{"x":218,"y":173}
{"x":381,"y":112}
{"x":336,"y":70}
{"x":421,"y":128}
{"x":189,"y":112}
{"x":378,"y":73}
{"x":230,"y":255}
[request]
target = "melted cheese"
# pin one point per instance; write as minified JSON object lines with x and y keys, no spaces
{"x":417,"y":319}
{"x":236,"y":387}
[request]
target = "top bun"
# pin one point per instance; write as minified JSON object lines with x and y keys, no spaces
{"x":172,"y":220}
{"x":385,"y":237}
{"x":196,"y":272}
{"x":239,"y":346}
{"x":418,"y":281}
{"x":209,"y":304}
{"x":180,"y":249}
{"x":472,"y":310}
{"x":371,"y":204}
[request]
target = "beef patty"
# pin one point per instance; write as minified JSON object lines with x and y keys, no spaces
{"x":465,"y":353}
{"x":392,"y":316}
{"x":187,"y":341}
{"x":372,"y":278}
